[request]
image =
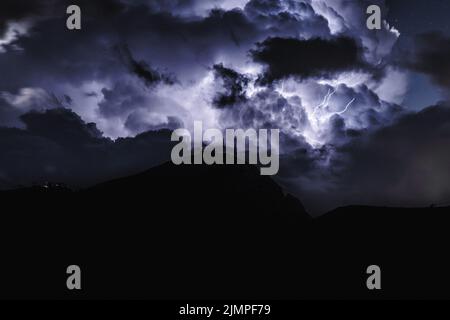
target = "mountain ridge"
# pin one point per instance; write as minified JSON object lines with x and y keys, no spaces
{"x":221,"y":232}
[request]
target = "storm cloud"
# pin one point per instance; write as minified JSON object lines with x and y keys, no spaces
{"x":431,"y":58}
{"x":84,"y":106}
{"x":234,"y":86}
{"x":141,"y":69}
{"x":404,"y":164}
{"x":57,"y":146}
{"x":316,"y":57}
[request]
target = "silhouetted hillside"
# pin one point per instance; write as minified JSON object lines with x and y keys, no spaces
{"x":200,"y":190}
{"x":213,"y":232}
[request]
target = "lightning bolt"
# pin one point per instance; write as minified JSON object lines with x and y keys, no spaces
{"x":325,"y":101}
{"x":319,"y":121}
{"x":346,"y":107}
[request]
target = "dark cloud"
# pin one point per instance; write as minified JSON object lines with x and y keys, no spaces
{"x":234,"y":85}
{"x":58,"y":146}
{"x":263,"y":7}
{"x":68,"y":99}
{"x":141,"y":69}
{"x":403,"y":164}
{"x":288,"y":18}
{"x":183,"y":58}
{"x":406,"y":163}
{"x":18,"y":10}
{"x":180,"y":7}
{"x":13,"y":105}
{"x":61,"y":126}
{"x":15,"y":10}
{"x":121,"y":99}
{"x":285,"y":57}
{"x":139,"y":122}
{"x":432,"y":54}
{"x":9,"y":116}
{"x":186,"y":46}
{"x":91,"y":94}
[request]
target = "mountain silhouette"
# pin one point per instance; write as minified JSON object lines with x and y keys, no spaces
{"x":211,"y":232}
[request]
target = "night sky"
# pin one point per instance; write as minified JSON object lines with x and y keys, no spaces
{"x":364,"y":114}
{"x":414,"y":18}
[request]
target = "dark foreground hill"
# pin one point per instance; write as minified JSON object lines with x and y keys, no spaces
{"x":213,"y":232}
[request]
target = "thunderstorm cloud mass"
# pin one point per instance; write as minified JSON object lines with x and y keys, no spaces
{"x":82,"y":107}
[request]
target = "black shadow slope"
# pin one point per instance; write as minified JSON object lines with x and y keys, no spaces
{"x":205,"y":232}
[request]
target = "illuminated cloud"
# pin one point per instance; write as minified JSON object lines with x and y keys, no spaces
{"x":310,"y":68}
